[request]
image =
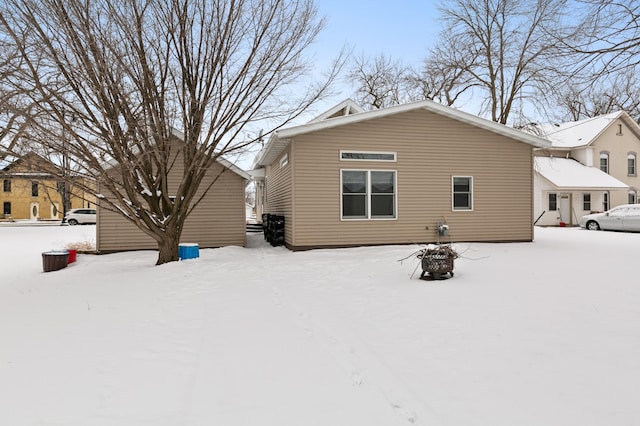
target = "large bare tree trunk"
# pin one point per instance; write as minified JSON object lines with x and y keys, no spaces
{"x":124,"y":79}
{"x":168,"y":245}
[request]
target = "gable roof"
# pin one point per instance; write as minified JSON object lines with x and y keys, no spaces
{"x":226,"y":163}
{"x":580,"y":133}
{"x":280,"y":139}
{"x":346,"y":107}
{"x":565,"y":173}
{"x":33,"y":162}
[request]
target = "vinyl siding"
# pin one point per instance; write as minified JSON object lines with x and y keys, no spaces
{"x":618,"y":146}
{"x":219,"y":220}
{"x":280,"y":191}
{"x":430,"y":150}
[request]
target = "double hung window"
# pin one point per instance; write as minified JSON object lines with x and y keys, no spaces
{"x":553,"y":202}
{"x":462,"y":192}
{"x":604,"y":162}
{"x":586,"y":201}
{"x":631,"y":164}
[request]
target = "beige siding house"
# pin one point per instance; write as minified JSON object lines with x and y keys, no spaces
{"x":591,"y":166}
{"x":390,"y":176}
{"x":219,"y":220}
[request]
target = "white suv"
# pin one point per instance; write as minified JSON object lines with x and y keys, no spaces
{"x":80,"y":216}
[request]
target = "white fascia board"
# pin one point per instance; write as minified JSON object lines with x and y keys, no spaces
{"x":455,"y":114}
{"x":259,"y":173}
{"x":281,"y":138}
{"x":228,"y":164}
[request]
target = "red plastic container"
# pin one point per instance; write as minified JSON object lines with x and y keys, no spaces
{"x":72,"y":256}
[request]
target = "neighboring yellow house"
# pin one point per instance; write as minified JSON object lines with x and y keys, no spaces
{"x":30,"y":190}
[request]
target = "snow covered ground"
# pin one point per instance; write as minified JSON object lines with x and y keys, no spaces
{"x":544,"y":333}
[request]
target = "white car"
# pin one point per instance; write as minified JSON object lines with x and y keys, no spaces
{"x":621,"y":218}
{"x":80,"y":216}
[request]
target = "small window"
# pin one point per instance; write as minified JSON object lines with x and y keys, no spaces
{"x":631,"y":164}
{"x":6,"y":208}
{"x":632,"y":197}
{"x":367,"y":156}
{"x":605,"y":201}
{"x":619,"y":130}
{"x":368,"y":194}
{"x":462,"y":192}
{"x":586,"y":202}
{"x":553,"y":202}
{"x":7,"y":185}
{"x":34,"y":189}
{"x":284,"y":160}
{"x":604,"y":162}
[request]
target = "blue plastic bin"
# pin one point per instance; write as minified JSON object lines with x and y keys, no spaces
{"x":188,"y":251}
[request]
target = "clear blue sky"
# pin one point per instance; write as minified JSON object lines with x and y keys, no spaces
{"x":402,"y":29}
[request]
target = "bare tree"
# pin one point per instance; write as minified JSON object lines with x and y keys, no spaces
{"x":609,"y":36}
{"x":379,"y":81}
{"x":118,"y":78}
{"x":506,"y":49}
{"x":609,"y":93}
{"x":441,"y":79}
{"x":12,"y":122}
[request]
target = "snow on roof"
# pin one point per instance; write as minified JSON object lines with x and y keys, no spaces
{"x":566,"y":173}
{"x":578,"y":133}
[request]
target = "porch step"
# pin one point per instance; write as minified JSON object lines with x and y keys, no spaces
{"x":254,"y":227}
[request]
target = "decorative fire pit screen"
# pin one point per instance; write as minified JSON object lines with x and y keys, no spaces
{"x":437,"y":263}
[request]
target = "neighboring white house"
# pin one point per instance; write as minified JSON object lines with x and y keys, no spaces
{"x":565,"y":190}
{"x":591,"y":166}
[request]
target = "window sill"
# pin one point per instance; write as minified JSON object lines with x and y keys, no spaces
{"x":362,"y":219}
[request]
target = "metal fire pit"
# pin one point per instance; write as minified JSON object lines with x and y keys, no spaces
{"x":437,"y":263}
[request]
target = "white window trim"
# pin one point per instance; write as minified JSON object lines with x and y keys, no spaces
{"x":556,"y":196}
{"x":604,"y":155}
{"x":368,"y":195}
{"x":473,"y":204}
{"x":284,"y":160}
{"x":584,"y":194}
{"x":634,"y":157}
{"x":395,"y":156}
